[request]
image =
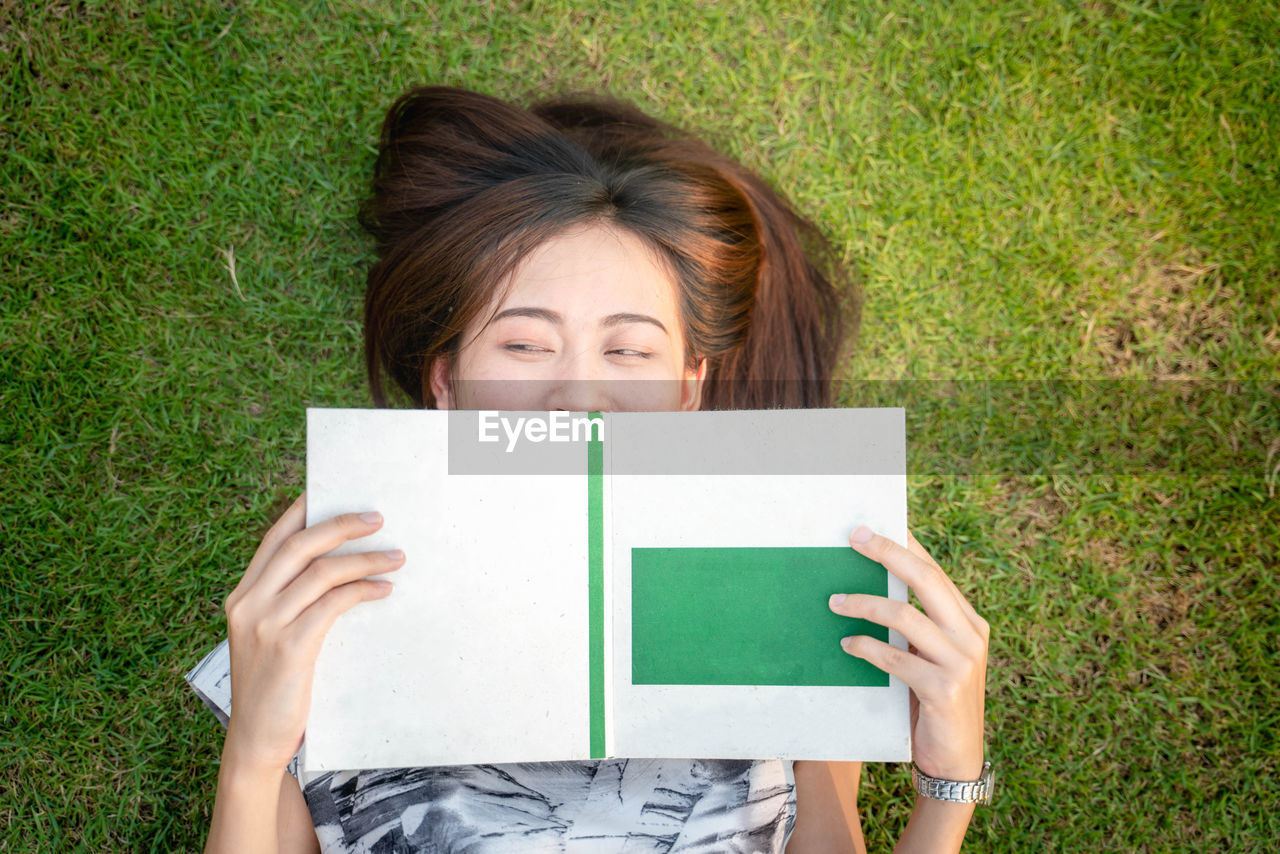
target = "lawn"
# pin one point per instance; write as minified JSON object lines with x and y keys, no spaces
{"x":1066,"y":221}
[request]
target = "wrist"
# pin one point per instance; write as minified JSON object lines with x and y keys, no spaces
{"x":244,"y":771}
{"x":968,"y":769}
{"x":249,"y":757}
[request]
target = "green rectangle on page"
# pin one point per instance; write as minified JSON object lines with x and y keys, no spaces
{"x":749,"y":616}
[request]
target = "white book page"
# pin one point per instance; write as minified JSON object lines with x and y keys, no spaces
{"x":777,"y":510}
{"x":479,"y":654}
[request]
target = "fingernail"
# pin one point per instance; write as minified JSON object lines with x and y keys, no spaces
{"x":837,"y":599}
{"x":385,"y":585}
{"x":371,"y":518}
{"x":846,"y":643}
{"x":395,"y":554}
{"x":861,"y":534}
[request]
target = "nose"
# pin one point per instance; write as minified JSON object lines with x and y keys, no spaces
{"x":579,"y":395}
{"x":578,"y":386}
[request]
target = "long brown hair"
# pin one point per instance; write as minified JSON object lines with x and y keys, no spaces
{"x":465,"y":185}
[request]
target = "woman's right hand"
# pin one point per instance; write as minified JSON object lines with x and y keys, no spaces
{"x":277,"y":618}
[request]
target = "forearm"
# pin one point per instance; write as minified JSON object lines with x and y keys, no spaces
{"x":935,"y":826}
{"x":245,"y":810}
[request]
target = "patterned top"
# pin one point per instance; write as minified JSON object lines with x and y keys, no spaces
{"x":636,"y":806}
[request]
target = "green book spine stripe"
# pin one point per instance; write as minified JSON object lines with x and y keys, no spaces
{"x":595,"y":588}
{"x":749,"y":616}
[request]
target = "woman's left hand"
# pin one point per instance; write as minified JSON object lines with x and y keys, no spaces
{"x":946,"y":664}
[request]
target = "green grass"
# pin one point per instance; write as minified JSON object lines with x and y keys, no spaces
{"x":1029,"y":190}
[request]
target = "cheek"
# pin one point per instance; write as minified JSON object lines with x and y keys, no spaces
{"x":501,"y":394}
{"x":481,"y":381}
{"x":659,"y":394}
{"x":659,"y":387}
{"x":658,"y":391}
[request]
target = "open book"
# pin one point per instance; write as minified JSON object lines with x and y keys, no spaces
{"x":586,"y":585}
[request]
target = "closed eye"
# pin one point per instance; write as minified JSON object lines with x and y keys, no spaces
{"x":632,"y":353}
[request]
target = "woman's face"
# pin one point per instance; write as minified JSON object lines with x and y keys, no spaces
{"x":590,"y":323}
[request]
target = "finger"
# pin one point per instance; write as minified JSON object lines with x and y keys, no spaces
{"x":911,"y":669}
{"x":309,"y":629}
{"x":926,"y":578}
{"x":920,"y":632}
{"x":301,"y":548}
{"x":325,"y":574}
{"x":293,"y":519}
{"x":914,"y":546}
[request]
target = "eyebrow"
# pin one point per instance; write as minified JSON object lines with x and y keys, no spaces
{"x":554,"y":317}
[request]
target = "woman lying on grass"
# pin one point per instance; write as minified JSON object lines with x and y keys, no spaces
{"x":579,"y":256}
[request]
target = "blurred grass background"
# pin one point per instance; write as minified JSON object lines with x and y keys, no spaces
{"x":1029,"y":191}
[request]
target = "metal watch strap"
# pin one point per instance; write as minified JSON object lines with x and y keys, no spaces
{"x":955,"y":791}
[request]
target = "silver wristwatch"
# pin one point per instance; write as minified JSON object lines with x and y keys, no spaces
{"x":957,"y":792}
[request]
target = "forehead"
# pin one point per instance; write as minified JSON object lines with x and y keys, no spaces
{"x":593,"y":269}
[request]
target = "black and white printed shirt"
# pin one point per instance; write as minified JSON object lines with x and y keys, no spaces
{"x":636,"y":806}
